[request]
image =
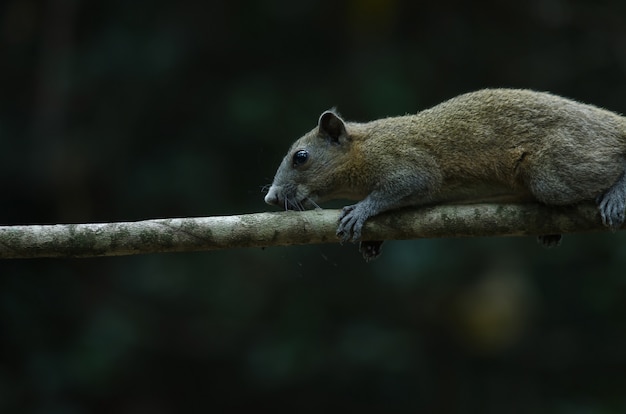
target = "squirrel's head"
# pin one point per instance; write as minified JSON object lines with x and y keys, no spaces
{"x":312,"y":170}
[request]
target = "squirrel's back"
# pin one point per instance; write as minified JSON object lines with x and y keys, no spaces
{"x":509,"y":139}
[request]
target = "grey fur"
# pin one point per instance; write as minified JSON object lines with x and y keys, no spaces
{"x":490,"y":144}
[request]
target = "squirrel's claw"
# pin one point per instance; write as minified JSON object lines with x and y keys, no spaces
{"x":350,"y":224}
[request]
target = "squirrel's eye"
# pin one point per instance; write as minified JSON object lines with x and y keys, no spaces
{"x":300,"y":157}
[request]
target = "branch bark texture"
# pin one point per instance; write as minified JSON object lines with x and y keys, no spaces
{"x":288,"y":228}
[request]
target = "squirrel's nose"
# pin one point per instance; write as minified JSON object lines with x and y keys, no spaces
{"x":272,"y":197}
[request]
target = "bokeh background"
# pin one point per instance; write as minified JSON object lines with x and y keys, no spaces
{"x":129,"y":110}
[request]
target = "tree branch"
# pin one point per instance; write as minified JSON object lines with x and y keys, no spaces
{"x":288,"y":228}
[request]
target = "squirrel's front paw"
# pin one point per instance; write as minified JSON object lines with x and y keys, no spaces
{"x":351,"y":223}
{"x":370,"y":249}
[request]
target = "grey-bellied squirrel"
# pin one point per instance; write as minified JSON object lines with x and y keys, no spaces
{"x":494,"y":142}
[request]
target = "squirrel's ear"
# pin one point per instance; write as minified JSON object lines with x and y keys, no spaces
{"x":332,"y":126}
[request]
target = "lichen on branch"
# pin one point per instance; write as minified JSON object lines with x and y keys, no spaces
{"x":288,"y":228}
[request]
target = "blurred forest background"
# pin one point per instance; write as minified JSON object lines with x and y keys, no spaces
{"x":129,"y":110}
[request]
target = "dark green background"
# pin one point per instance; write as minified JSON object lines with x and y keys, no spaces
{"x":128,"y":110}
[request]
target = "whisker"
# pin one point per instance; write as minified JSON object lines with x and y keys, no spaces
{"x":295,"y":205}
{"x":317,"y":207}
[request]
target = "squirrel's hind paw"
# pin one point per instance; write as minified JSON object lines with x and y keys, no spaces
{"x":549,"y":240}
{"x":613,"y":203}
{"x":611,"y":210}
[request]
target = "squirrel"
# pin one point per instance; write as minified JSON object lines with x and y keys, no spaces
{"x":518,"y":143}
